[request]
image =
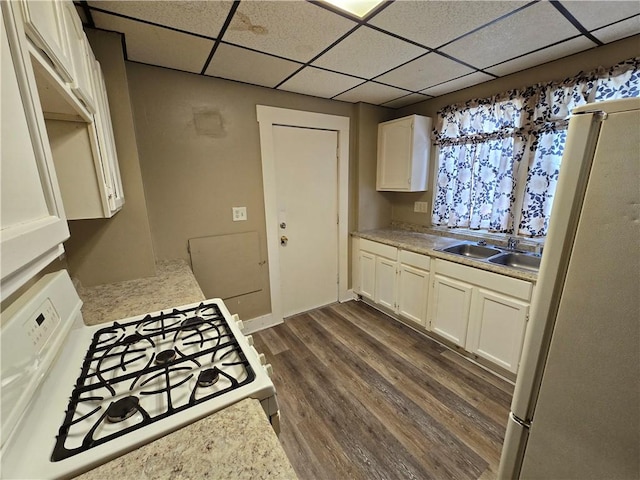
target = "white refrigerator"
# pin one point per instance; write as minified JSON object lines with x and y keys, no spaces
{"x":575,"y":412}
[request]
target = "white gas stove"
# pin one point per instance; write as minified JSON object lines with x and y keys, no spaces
{"x":74,"y":397}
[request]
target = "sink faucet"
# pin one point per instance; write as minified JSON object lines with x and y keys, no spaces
{"x":512,"y":243}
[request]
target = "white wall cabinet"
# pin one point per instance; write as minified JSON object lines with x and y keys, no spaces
{"x":32,"y":220}
{"x":404,"y":147}
{"x":78,"y":47}
{"x":44,"y":24}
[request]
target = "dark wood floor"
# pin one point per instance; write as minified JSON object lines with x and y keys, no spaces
{"x":363,"y":396}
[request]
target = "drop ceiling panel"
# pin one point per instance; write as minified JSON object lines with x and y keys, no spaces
{"x":458,"y":84}
{"x":235,"y":63}
{"x":520,"y":33}
{"x":408,"y":100}
{"x":439,"y":21}
{"x":543,"y":56}
{"x":295,"y":30}
{"x":204,"y":18}
{"x":320,"y":83}
{"x":367,"y":53}
{"x":424,"y":72}
{"x":371,"y":92}
{"x":618,"y":30}
{"x":157,"y":45}
{"x":595,"y":14}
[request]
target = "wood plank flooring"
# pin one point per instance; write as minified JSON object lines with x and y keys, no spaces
{"x":363,"y":396}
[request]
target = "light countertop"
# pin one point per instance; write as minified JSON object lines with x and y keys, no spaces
{"x":235,"y":443}
{"x":427,"y":244}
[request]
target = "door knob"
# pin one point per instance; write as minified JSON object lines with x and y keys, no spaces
{"x":283,"y":225}
{"x":283,"y":241}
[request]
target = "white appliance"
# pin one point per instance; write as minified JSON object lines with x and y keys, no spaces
{"x":74,"y":397}
{"x":576,"y":405}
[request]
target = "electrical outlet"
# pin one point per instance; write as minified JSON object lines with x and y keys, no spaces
{"x":421,"y":207}
{"x":239,"y":214}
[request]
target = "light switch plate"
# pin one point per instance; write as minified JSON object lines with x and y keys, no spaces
{"x":239,"y":214}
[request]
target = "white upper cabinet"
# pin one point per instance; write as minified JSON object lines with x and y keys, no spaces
{"x":82,"y":84}
{"x":32,"y":220}
{"x":404,"y":147}
{"x":44,"y":24}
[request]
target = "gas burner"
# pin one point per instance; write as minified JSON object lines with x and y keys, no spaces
{"x":165,"y":356}
{"x":208,"y":377}
{"x":131,"y":339}
{"x":192,"y":323}
{"x":122,"y":409}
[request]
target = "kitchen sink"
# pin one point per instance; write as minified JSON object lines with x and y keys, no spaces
{"x":518,"y":260}
{"x":471,"y":250}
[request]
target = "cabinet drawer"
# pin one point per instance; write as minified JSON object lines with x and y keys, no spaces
{"x":513,"y":287}
{"x":379,"y":249}
{"x":416,"y":260}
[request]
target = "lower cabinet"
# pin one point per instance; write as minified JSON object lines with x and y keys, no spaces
{"x":483,"y":312}
{"x":451,"y":308}
{"x":386,"y":282}
{"x":496,"y":328}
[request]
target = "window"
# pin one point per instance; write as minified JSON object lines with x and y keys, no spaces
{"x":499,"y":157}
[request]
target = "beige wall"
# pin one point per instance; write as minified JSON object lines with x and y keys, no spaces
{"x":120,"y":248}
{"x":373,"y":207}
{"x":607,"y":55}
{"x":199,"y":148}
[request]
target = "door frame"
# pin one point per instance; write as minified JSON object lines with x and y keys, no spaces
{"x":268,"y":117}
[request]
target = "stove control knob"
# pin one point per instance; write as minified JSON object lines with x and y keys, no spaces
{"x":250,"y":339}
{"x":269,"y":369}
{"x":262,"y":358}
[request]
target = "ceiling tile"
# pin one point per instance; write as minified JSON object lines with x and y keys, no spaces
{"x":618,"y":30}
{"x":371,"y":92}
{"x":439,"y":21}
{"x":157,"y":45}
{"x":532,"y":28}
{"x":424,"y":72}
{"x":458,"y":84}
{"x":406,"y":100}
{"x":367,"y":53}
{"x":596,"y":14}
{"x":204,"y":18}
{"x":320,"y":83}
{"x":543,"y":56}
{"x":235,"y":63}
{"x":295,"y":30}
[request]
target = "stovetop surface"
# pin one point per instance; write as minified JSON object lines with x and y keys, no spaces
{"x":138,"y":372}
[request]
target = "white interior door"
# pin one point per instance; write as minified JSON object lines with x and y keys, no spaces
{"x":307,"y":200}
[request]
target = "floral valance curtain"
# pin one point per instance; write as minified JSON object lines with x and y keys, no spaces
{"x":485,"y":144}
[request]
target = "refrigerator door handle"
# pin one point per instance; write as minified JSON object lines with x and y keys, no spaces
{"x":523,"y":423}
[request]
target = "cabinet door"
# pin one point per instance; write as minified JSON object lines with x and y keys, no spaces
{"x":44,"y":25}
{"x":496,"y":328}
{"x":394,"y":155}
{"x":413,"y":291}
{"x":78,"y":46}
{"x":367,"y":272}
{"x":386,"y":283}
{"x":32,"y":221}
{"x":451,"y":305}
{"x":106,"y":141}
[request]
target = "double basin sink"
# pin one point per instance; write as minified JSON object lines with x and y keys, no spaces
{"x":522,"y":260}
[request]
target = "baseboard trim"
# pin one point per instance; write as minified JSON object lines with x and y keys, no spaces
{"x":348,"y":296}
{"x":259,"y":323}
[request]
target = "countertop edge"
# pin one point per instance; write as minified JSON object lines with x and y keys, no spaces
{"x":423,"y":243}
